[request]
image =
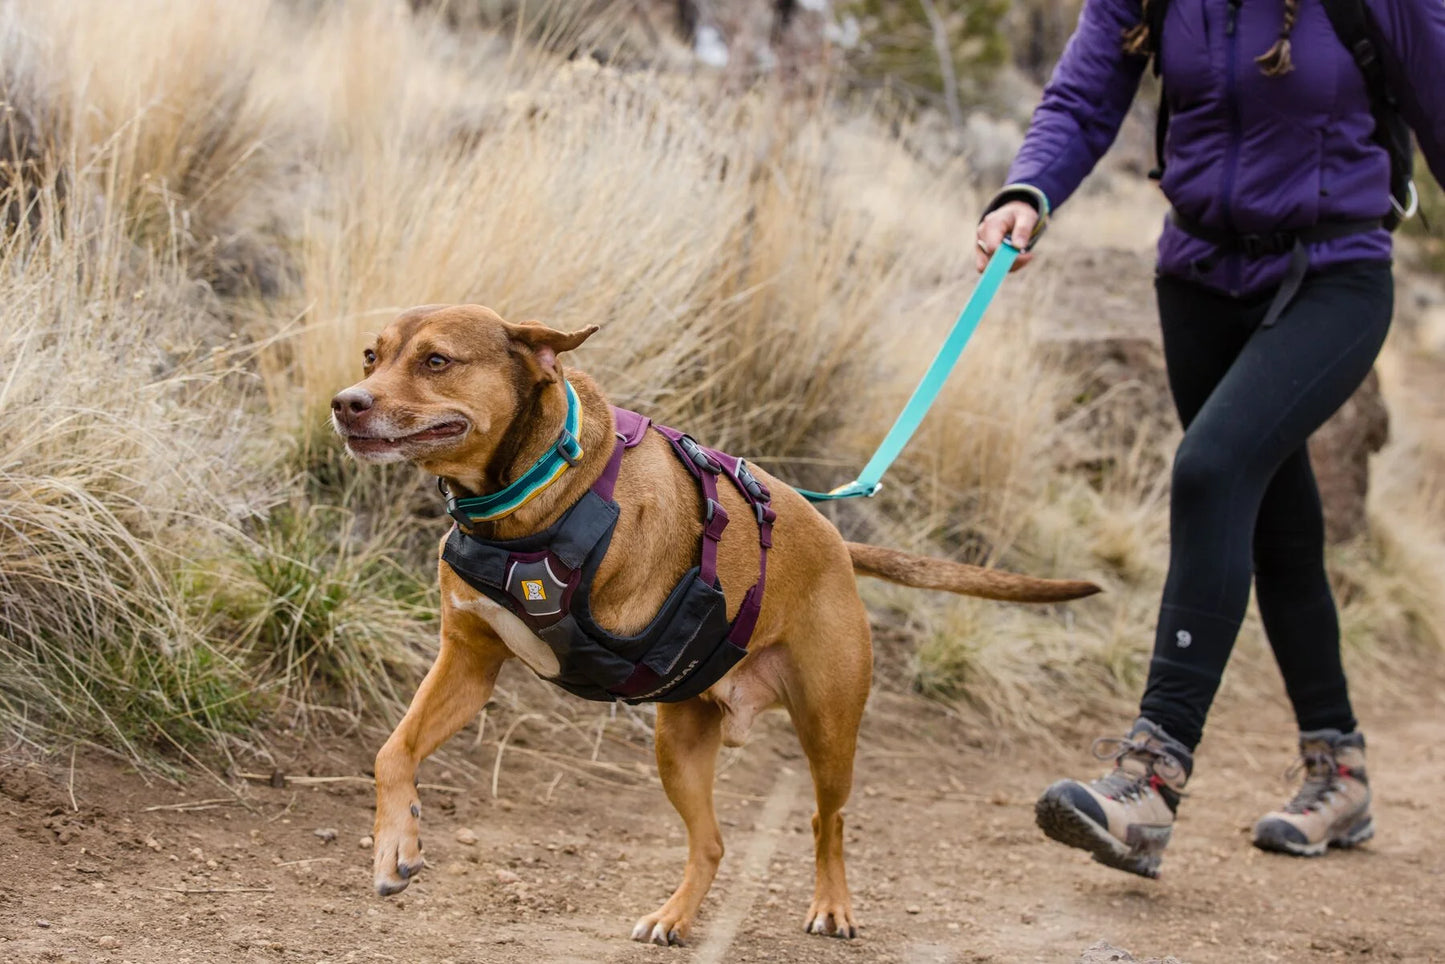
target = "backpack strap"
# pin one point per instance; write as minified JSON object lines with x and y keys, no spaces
{"x":1155,"y":13}
{"x":1357,"y":30}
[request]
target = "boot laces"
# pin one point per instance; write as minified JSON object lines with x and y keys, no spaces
{"x":1322,"y":779}
{"x":1160,"y":767}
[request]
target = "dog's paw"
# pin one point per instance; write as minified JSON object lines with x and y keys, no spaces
{"x":397,"y":856}
{"x":832,"y":918}
{"x":662,"y":929}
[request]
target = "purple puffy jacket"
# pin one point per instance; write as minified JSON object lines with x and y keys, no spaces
{"x":1246,"y":152}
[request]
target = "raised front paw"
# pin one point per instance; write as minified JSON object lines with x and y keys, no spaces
{"x":397,"y":856}
{"x":662,"y":928}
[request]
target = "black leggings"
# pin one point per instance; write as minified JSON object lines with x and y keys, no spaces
{"x":1244,"y":496}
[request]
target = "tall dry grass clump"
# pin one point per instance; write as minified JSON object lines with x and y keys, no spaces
{"x":113,"y":443}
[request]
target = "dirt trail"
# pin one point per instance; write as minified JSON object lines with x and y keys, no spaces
{"x":944,"y":859}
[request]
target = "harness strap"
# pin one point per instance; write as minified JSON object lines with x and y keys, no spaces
{"x":706,"y":465}
{"x":631,"y":428}
{"x":1294,"y":243}
{"x":715,"y":520}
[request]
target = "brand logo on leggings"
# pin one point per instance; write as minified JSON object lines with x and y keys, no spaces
{"x":1183,"y":638}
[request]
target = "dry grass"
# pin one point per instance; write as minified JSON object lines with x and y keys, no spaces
{"x":113,"y":445}
{"x":249,"y":189}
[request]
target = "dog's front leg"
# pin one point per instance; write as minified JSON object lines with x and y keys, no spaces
{"x":688,"y":736}
{"x":455,"y":689}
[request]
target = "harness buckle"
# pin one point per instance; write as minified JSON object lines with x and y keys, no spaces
{"x":697,"y":456}
{"x":1364,"y":53}
{"x":715,"y":520}
{"x":756,"y":491}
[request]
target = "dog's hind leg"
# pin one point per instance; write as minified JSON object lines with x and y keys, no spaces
{"x":455,"y":689}
{"x":826,"y":705}
{"x":688,"y":737}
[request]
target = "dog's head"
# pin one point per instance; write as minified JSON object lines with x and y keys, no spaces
{"x":443,"y":385}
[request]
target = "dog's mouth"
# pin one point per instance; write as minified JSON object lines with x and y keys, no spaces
{"x":375,"y":444}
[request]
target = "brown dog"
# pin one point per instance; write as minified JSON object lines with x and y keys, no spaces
{"x":475,"y":400}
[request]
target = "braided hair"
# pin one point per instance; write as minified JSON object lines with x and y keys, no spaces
{"x":1138,"y":39}
{"x":1274,"y":62}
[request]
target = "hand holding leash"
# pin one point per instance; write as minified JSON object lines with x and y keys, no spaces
{"x":1018,"y":221}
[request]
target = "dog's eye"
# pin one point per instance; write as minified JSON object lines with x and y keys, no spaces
{"x":437,"y":362}
{"x":368,"y":358}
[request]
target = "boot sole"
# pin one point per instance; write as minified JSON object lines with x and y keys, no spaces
{"x":1060,"y":820}
{"x":1356,"y":835}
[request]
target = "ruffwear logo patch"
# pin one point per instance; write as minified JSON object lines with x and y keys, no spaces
{"x":1183,"y":638}
{"x":533,"y":590}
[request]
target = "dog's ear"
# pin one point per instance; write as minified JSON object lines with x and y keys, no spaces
{"x":543,"y":344}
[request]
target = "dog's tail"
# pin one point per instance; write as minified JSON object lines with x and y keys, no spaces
{"x":923,"y":572}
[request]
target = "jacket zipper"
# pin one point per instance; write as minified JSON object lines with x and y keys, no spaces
{"x":1231,"y":160}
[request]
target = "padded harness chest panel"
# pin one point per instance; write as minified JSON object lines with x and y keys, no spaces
{"x":546,"y":580}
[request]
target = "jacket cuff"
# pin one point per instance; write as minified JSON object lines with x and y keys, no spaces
{"x":1029,"y":195}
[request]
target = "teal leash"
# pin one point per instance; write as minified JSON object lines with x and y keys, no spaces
{"x":869,"y":481}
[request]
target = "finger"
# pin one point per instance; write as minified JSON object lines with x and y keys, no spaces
{"x":994,"y":229}
{"x":1022,"y":262}
{"x":1023,"y":228}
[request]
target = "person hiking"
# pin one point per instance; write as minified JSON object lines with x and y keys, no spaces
{"x":1280,"y":155}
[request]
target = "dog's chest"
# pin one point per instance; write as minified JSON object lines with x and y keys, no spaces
{"x":524,"y":644}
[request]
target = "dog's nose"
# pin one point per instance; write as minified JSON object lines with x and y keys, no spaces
{"x":353,"y":401}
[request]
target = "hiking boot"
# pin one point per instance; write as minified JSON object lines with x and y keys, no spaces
{"x":1332,"y":808}
{"x":1125,"y":817}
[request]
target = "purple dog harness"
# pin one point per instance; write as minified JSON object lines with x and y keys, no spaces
{"x":546,"y":581}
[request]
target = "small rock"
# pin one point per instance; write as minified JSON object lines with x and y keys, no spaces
{"x":153,"y":844}
{"x":365,"y":843}
{"x":108,"y":942}
{"x":327,"y":834}
{"x":914,"y":909}
{"x":42,"y":922}
{"x":1105,"y":953}
{"x":467,"y":836}
{"x":507,"y":877}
